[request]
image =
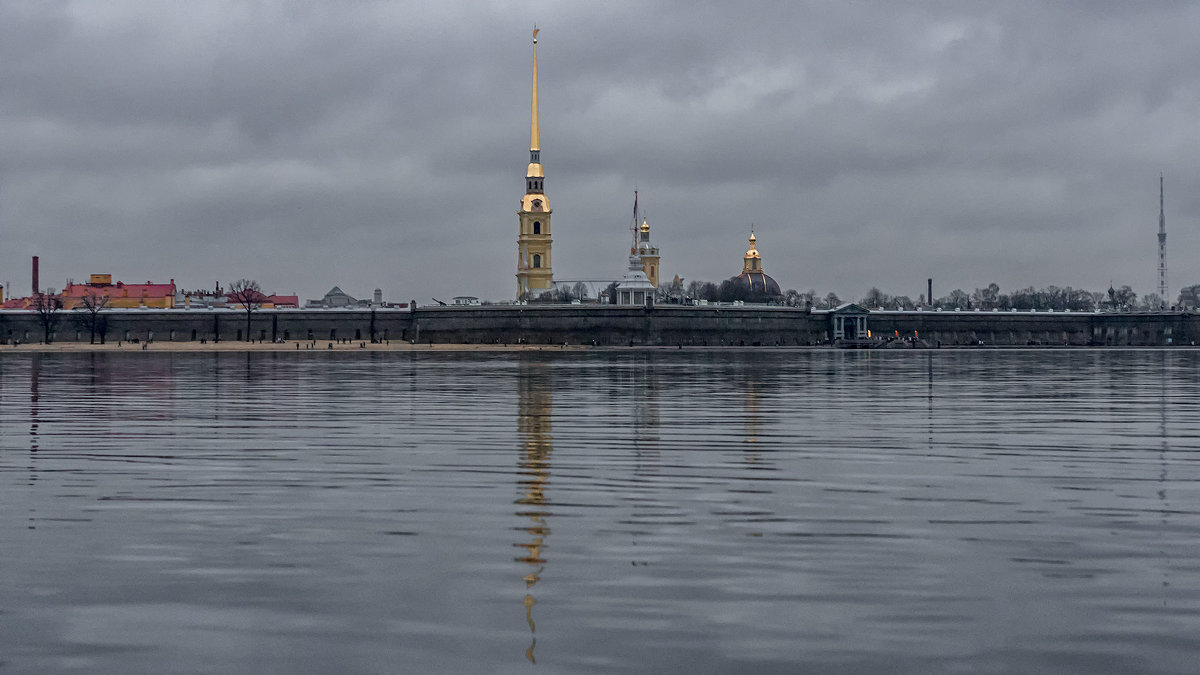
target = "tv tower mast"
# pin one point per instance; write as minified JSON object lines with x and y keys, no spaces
{"x":1162,"y":246}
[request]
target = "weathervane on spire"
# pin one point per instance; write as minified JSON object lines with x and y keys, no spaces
{"x":535,"y":32}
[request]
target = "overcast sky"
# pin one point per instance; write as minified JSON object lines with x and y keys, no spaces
{"x":384,"y":144}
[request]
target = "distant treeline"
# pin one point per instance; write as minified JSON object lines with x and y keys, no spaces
{"x":988,"y":298}
{"x":1048,"y":298}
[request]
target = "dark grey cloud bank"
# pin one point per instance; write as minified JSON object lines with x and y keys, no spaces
{"x":384,"y":144}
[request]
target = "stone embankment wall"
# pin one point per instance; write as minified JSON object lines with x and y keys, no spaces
{"x":207,"y":324}
{"x":1041,"y":328}
{"x":610,"y":325}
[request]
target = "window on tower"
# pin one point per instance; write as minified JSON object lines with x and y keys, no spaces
{"x":537,"y":260}
{"x":537,"y":227}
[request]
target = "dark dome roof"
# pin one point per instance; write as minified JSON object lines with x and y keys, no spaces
{"x":758,"y":282}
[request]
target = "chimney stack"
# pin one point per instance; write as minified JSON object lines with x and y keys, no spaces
{"x":35,"y":275}
{"x":929,"y":297}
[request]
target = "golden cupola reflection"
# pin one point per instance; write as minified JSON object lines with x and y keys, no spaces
{"x":534,"y":404}
{"x":534,"y":273}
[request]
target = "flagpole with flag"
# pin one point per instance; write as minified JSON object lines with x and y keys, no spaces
{"x":634,"y":226}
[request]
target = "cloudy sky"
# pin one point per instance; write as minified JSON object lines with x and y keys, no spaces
{"x":383,"y":144}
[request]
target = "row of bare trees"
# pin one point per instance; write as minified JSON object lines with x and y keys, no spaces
{"x":1030,"y":298}
{"x":89,"y":308}
{"x":47,"y":308}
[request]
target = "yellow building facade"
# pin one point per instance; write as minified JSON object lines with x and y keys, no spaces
{"x":100,"y":288}
{"x":534,"y":272}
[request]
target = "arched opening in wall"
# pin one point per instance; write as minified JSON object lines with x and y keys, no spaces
{"x":537,"y":260}
{"x":310,"y":334}
{"x":172,"y":334}
{"x":357,"y":333}
{"x":25,"y":336}
{"x":149,"y":336}
{"x":193,"y":335}
{"x":537,"y":227}
{"x":262,"y":335}
{"x":332,"y":333}
{"x":127,"y":336}
{"x":287,"y":334}
{"x":239,"y":335}
{"x":652,"y":271}
{"x":78,"y":336}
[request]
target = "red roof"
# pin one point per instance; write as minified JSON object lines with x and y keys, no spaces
{"x":120,"y":290}
{"x":17,"y":303}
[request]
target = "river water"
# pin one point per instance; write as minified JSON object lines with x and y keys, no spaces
{"x":645,"y":511}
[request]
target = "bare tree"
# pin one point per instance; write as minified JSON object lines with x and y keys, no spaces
{"x":1189,"y":297}
{"x":609,"y":294}
{"x":876,"y":298}
{"x":47,"y":307}
{"x":89,"y":308}
{"x":249,"y":296}
{"x":1151,"y":302}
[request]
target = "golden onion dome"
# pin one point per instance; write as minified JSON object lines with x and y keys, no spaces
{"x":753,"y":252}
{"x":752,"y":261}
{"x":645,"y":226}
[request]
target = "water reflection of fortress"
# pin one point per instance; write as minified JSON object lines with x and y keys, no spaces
{"x":536,"y":383}
{"x":534,"y":403}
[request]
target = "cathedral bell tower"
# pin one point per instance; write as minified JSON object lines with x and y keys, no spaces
{"x":648,"y":253}
{"x":534,"y":274}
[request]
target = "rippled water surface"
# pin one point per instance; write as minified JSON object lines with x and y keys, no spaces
{"x":717,"y":511}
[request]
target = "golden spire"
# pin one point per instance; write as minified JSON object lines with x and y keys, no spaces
{"x":533,"y":127}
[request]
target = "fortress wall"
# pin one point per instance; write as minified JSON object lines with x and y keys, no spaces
{"x":209,"y":325}
{"x":611,"y":325}
{"x":1047,"y":328}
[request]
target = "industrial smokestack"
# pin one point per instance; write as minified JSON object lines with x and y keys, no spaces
{"x":35,"y":275}
{"x":929,"y":298}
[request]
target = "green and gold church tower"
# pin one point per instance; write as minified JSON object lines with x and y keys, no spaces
{"x":534,"y":274}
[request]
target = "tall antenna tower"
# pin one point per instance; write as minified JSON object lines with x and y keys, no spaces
{"x":1162,"y":246}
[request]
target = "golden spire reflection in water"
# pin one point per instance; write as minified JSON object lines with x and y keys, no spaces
{"x":534,"y":403}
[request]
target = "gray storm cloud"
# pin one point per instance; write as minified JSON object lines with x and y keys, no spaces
{"x":378,"y":145}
